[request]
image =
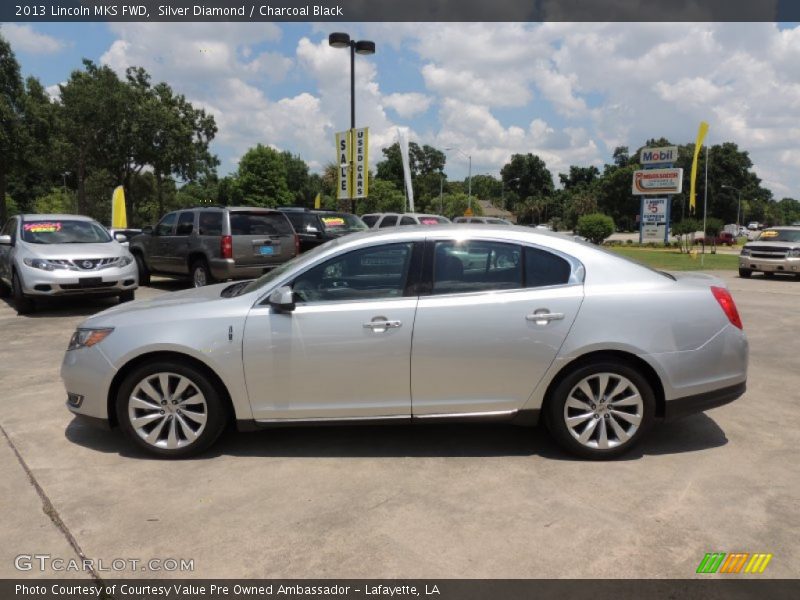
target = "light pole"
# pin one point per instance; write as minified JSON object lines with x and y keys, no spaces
{"x":441,"y":187}
{"x":738,"y":205}
{"x":469,"y":175}
{"x":342,"y":40}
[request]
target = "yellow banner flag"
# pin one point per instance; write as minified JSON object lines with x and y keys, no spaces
{"x":318,"y":201}
{"x":119,"y":218}
{"x":698,"y":144}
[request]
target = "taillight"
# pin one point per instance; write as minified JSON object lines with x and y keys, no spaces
{"x":725,"y":300}
{"x":226,"y":246}
{"x":296,"y":244}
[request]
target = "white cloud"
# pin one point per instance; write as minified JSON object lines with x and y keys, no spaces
{"x":408,"y":105}
{"x":24,"y":38}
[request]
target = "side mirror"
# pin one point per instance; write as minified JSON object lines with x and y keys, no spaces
{"x":282,"y":299}
{"x":5,"y":240}
{"x":147,"y":229}
{"x":120,"y":237}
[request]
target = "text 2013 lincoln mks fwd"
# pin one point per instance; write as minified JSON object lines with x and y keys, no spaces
{"x":418,"y":325}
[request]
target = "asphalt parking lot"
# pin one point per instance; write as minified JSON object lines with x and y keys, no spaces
{"x":424,"y":502}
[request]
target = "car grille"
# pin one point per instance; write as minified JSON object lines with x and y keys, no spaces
{"x":774,"y":252}
{"x":87,"y":264}
{"x":81,"y":286}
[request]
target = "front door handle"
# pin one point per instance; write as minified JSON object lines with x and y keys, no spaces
{"x":381,"y":324}
{"x":543,"y":316}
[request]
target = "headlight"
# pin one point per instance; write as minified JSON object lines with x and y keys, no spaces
{"x":86,"y":338}
{"x":745,"y":251}
{"x":124,"y":261}
{"x":41,"y":263}
{"x":795,"y":253}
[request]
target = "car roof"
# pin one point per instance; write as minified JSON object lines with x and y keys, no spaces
{"x":54,"y":217}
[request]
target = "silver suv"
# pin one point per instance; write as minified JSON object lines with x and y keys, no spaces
{"x":776,"y":250}
{"x":215,"y":244}
{"x":62,"y":255}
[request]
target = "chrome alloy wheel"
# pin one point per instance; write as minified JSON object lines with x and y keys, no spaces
{"x":199,"y":277}
{"x":603,"y":410}
{"x":167,"y":410}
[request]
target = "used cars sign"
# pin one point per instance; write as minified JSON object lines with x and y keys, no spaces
{"x":657,"y":181}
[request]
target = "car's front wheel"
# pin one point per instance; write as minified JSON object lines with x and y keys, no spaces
{"x":143,"y":271}
{"x":170,"y":409}
{"x":22,"y":303}
{"x":601,"y":410}
{"x":745,"y":273}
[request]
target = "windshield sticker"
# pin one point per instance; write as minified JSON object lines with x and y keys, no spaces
{"x":429,"y":221}
{"x":333,"y":221}
{"x":42,"y":227}
{"x":769,"y":234}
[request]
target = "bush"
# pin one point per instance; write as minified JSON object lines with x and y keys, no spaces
{"x":595,"y":227}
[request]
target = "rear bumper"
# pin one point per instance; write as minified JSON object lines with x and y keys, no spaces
{"x":681,"y":407}
{"x":226,"y":268}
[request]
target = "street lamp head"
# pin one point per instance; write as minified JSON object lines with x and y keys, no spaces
{"x":365,"y":47}
{"x":340,"y":40}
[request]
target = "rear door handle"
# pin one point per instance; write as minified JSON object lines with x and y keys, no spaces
{"x":543,"y":316}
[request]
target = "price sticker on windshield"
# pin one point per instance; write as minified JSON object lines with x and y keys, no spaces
{"x":333,"y":221}
{"x":42,"y":227}
{"x":769,"y":234}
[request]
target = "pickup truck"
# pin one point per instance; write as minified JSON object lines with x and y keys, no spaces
{"x":723,"y":239}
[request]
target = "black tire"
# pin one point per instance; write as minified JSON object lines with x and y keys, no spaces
{"x":127,"y":296}
{"x":215,"y":409}
{"x":201,"y":274}
{"x":5,"y":291}
{"x":22,"y":303}
{"x":745,"y":273}
{"x":141,"y":266}
{"x":555,"y":412}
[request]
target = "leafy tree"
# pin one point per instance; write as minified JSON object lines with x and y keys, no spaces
{"x":456,"y":204}
{"x":383,"y":197}
{"x":426,"y":165}
{"x":57,"y":201}
{"x":621,"y":156}
{"x":595,"y":227}
{"x":579,"y":203}
{"x":713,"y":228}
{"x":579,"y":176}
{"x":526,"y":176}
{"x":11,"y":116}
{"x":685,"y":231}
{"x":261,"y":179}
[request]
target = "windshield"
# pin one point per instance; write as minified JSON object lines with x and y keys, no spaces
{"x":780,"y":235}
{"x":342,"y":222}
{"x":64,"y":231}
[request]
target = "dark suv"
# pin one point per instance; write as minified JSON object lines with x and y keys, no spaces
{"x":214,"y":244}
{"x":315,"y":227}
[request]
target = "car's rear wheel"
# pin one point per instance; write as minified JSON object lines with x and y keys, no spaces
{"x":170,"y":409}
{"x":745,"y":273}
{"x":141,"y":267}
{"x":127,"y":296}
{"x":201,"y":274}
{"x":22,"y":303}
{"x":601,"y":410}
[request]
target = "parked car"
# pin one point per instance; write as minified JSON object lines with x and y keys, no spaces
{"x":315,"y":227}
{"x":723,"y":239}
{"x":777,"y":250}
{"x":381,"y":220}
{"x":539,"y":326}
{"x":485,"y":220}
{"x":62,"y":255}
{"x":754,"y":225}
{"x":215,"y":244}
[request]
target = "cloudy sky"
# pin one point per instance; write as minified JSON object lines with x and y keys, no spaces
{"x":567,"y":92}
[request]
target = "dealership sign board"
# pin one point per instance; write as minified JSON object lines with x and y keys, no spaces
{"x":344,"y":149}
{"x":658,"y":156}
{"x":657,"y":181}
{"x":654,"y":210}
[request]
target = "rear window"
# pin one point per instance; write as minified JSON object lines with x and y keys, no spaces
{"x":210,"y":222}
{"x":389,"y":221}
{"x":341,"y":222}
{"x":260,"y":223}
{"x":432,"y":220}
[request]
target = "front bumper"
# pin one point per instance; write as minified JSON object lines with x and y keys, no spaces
{"x":770,"y":265}
{"x":62,"y":282}
{"x":87,"y":374}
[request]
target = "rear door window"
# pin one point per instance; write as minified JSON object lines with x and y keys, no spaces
{"x":407,"y":221}
{"x":476,"y":266}
{"x":545,"y":268}
{"x":210,"y":222}
{"x":370,"y":220}
{"x":185,"y":223}
{"x":388,"y":221}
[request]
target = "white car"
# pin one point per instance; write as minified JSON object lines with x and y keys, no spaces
{"x":381,"y":220}
{"x":62,"y":255}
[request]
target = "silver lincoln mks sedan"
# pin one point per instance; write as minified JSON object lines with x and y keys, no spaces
{"x":417,"y":325}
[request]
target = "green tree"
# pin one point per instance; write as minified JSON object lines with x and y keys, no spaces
{"x":58,"y":200}
{"x":595,"y":227}
{"x":426,"y":165}
{"x":685,"y":231}
{"x":526,"y":176}
{"x":261,"y":179}
{"x":383,"y":197}
{"x":455,"y":205}
{"x":11,"y":116}
{"x":713,"y":228}
{"x":579,"y":176}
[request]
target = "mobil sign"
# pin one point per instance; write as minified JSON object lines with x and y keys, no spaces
{"x":658,"y":156}
{"x":657,"y":181}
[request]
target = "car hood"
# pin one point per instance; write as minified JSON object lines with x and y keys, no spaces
{"x":75,"y":251}
{"x":170,"y":305}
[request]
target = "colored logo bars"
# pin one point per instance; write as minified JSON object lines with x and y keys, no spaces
{"x":737,"y":562}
